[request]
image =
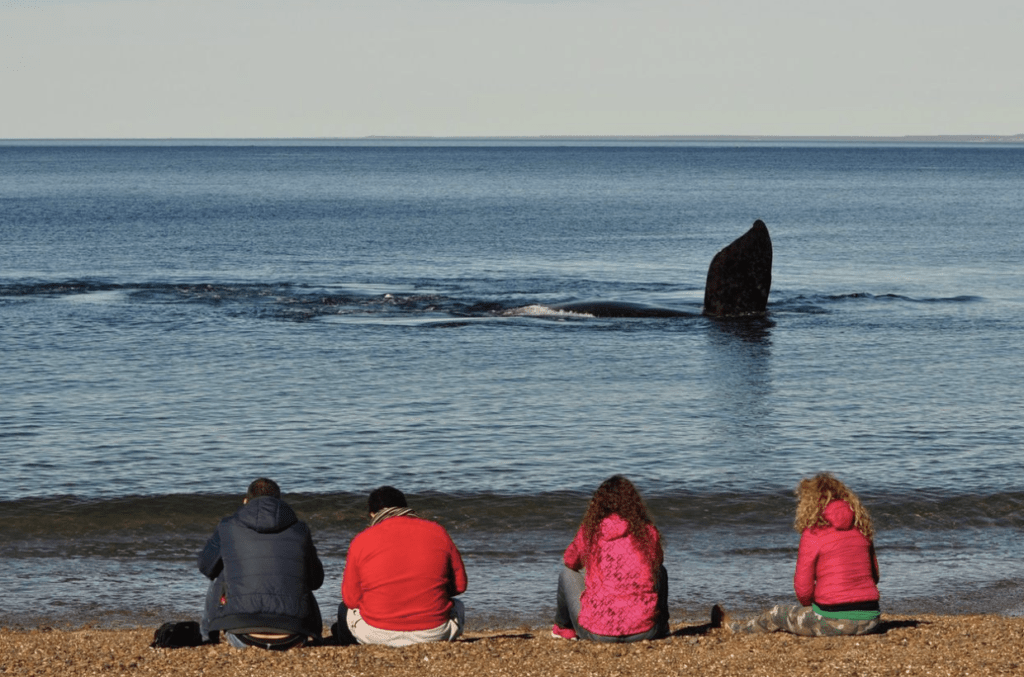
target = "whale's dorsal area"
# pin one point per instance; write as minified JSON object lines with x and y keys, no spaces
{"x":618,"y":309}
{"x":740,"y":276}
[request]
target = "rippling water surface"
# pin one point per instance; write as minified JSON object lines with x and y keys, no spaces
{"x":176,"y":320}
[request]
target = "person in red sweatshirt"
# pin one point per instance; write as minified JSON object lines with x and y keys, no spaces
{"x":836,"y":580}
{"x":401,"y":577}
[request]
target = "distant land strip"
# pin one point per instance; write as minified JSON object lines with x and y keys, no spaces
{"x":937,"y":138}
{"x":547,"y":138}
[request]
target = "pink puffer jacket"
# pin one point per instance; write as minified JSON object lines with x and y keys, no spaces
{"x":836,"y":564}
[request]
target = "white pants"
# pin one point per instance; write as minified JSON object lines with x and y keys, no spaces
{"x":448,"y":631}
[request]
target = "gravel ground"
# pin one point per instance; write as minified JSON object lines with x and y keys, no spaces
{"x":919,"y":645}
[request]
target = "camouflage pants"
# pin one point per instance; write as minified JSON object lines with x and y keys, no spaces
{"x":801,"y":620}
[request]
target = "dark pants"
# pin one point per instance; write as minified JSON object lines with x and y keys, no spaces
{"x":340,"y":633}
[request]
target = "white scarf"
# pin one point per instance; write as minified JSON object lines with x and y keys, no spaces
{"x":385,"y":513}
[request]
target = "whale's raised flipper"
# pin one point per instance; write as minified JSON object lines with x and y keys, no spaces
{"x":740,"y":276}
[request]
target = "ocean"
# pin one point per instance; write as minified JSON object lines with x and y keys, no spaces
{"x":179,"y":318}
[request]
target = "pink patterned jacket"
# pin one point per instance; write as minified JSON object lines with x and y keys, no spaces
{"x":620,"y":596}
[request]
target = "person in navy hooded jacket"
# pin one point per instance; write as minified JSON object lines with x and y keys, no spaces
{"x":264,"y":568}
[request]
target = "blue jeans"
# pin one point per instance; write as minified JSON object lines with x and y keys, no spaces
{"x":571,"y":585}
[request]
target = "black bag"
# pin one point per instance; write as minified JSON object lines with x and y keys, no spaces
{"x":173,"y":635}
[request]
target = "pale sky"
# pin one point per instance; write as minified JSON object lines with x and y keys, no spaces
{"x":354,"y":68}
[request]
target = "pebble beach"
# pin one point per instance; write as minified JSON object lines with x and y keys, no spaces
{"x":905,"y":645}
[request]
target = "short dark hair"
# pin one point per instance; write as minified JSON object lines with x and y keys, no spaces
{"x":386,"y":497}
{"x":263,"y":487}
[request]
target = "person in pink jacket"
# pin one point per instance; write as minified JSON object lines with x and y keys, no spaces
{"x":614,"y":587}
{"x":836,"y":580}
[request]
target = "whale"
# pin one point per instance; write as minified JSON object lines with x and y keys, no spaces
{"x":598,"y":308}
{"x":740,"y":275}
{"x":738,"y":283}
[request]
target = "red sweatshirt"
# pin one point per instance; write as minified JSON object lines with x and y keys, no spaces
{"x":836,"y":564}
{"x":402,"y":573}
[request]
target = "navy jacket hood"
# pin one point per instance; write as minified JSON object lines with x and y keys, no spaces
{"x":267,"y":515}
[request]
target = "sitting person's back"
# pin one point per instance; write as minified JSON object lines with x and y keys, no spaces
{"x":836,"y":563}
{"x":401,"y":576}
{"x":263,"y":568}
{"x":614,"y":587}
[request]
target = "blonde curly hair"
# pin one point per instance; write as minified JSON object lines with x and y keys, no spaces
{"x":817,"y":492}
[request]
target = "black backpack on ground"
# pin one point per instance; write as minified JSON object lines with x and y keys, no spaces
{"x":175,"y":635}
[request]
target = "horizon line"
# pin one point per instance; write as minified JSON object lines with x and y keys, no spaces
{"x":908,"y":139}
{"x":1019,"y":136}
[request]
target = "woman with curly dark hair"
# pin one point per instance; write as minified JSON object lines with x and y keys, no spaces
{"x":614,"y":587}
{"x":836,"y":579}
